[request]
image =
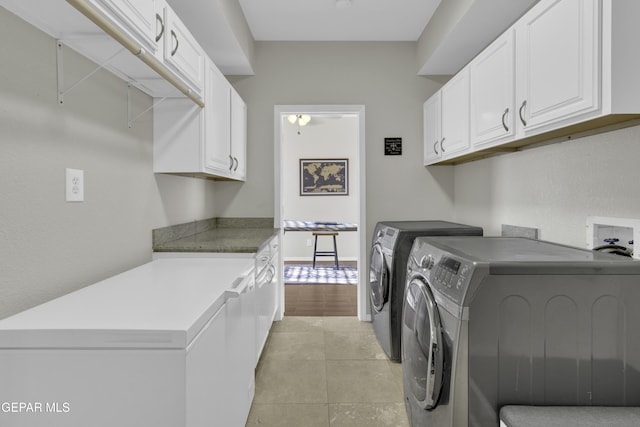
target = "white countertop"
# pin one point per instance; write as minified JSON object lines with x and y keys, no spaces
{"x":161,"y":304}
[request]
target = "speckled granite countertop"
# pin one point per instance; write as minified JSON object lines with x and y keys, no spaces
{"x":232,"y":235}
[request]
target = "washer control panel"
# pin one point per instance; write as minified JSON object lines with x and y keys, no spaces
{"x":450,"y":276}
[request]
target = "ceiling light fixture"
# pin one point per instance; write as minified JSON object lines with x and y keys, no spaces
{"x":300,"y":119}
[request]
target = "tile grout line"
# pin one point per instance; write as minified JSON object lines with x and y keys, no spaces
{"x":326,"y":369}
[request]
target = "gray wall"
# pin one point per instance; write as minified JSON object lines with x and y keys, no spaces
{"x":555,"y":187}
{"x":50,"y":247}
{"x":380,"y":76}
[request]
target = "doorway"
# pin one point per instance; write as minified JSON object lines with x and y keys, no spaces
{"x":315,"y":140}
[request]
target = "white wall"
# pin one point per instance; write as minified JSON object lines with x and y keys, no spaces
{"x":380,"y":76}
{"x":49,"y":247}
{"x":553,"y":188}
{"x":322,"y":138}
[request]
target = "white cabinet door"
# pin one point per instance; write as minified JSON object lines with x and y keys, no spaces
{"x":140,"y":18}
{"x":492,"y":93}
{"x":455,"y":115}
{"x":238,"y":136}
{"x":182,"y":52}
{"x":557,"y":62}
{"x":206,"y":390}
{"x":266,"y":304}
{"x":239,"y":345}
{"x":432,"y":129}
{"x":217,"y":158}
{"x":193,"y":141}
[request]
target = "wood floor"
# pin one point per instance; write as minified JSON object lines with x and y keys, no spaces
{"x":320,"y":299}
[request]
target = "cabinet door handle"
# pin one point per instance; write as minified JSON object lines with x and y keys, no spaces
{"x":504,"y":116}
{"x":230,"y":164}
{"x":524,"y":104}
{"x":435,"y":147}
{"x":174,"y":37}
{"x":235,"y":168}
{"x":442,"y":146}
{"x":159,"y":20}
{"x":272,"y":273}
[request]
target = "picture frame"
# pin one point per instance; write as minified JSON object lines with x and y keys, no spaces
{"x":324,"y":177}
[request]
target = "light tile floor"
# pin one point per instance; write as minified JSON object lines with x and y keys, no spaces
{"x":326,"y":372}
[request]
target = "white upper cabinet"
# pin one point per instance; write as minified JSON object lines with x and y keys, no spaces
{"x":432,"y":129}
{"x":182,"y":52}
{"x":492,"y":93}
{"x":206,"y":143}
{"x":238,"y":150}
{"x":141,"y":19}
{"x":455,"y":115}
{"x":565,"y":68}
{"x":557,"y":63}
{"x":446,"y":120}
{"x":217,"y":123}
{"x":141,"y":41}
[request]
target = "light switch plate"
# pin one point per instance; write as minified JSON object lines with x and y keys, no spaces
{"x":74,"y":185}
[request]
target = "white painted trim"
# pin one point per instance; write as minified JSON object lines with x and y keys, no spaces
{"x":280,"y":112}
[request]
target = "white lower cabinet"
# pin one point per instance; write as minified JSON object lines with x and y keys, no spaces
{"x":239,"y":384}
{"x":267,"y":286}
{"x":207,"y":373}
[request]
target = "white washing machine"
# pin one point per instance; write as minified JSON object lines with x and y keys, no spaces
{"x":494,"y":321}
{"x":390,"y":249}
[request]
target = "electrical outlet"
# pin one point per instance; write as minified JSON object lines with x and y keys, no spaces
{"x":74,"y":185}
{"x":308,"y":242}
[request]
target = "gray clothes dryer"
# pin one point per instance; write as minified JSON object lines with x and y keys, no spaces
{"x":491,"y":321}
{"x":390,"y":249}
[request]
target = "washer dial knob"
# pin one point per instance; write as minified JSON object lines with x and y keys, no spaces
{"x":427,"y":262}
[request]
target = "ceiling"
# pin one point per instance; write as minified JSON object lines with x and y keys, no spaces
{"x":227,"y":29}
{"x":338,"y":20}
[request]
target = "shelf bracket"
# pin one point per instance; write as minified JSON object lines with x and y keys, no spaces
{"x":60,"y":68}
{"x":130,"y":108}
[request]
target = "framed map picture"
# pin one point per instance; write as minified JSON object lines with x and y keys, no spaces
{"x":324,"y":177}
